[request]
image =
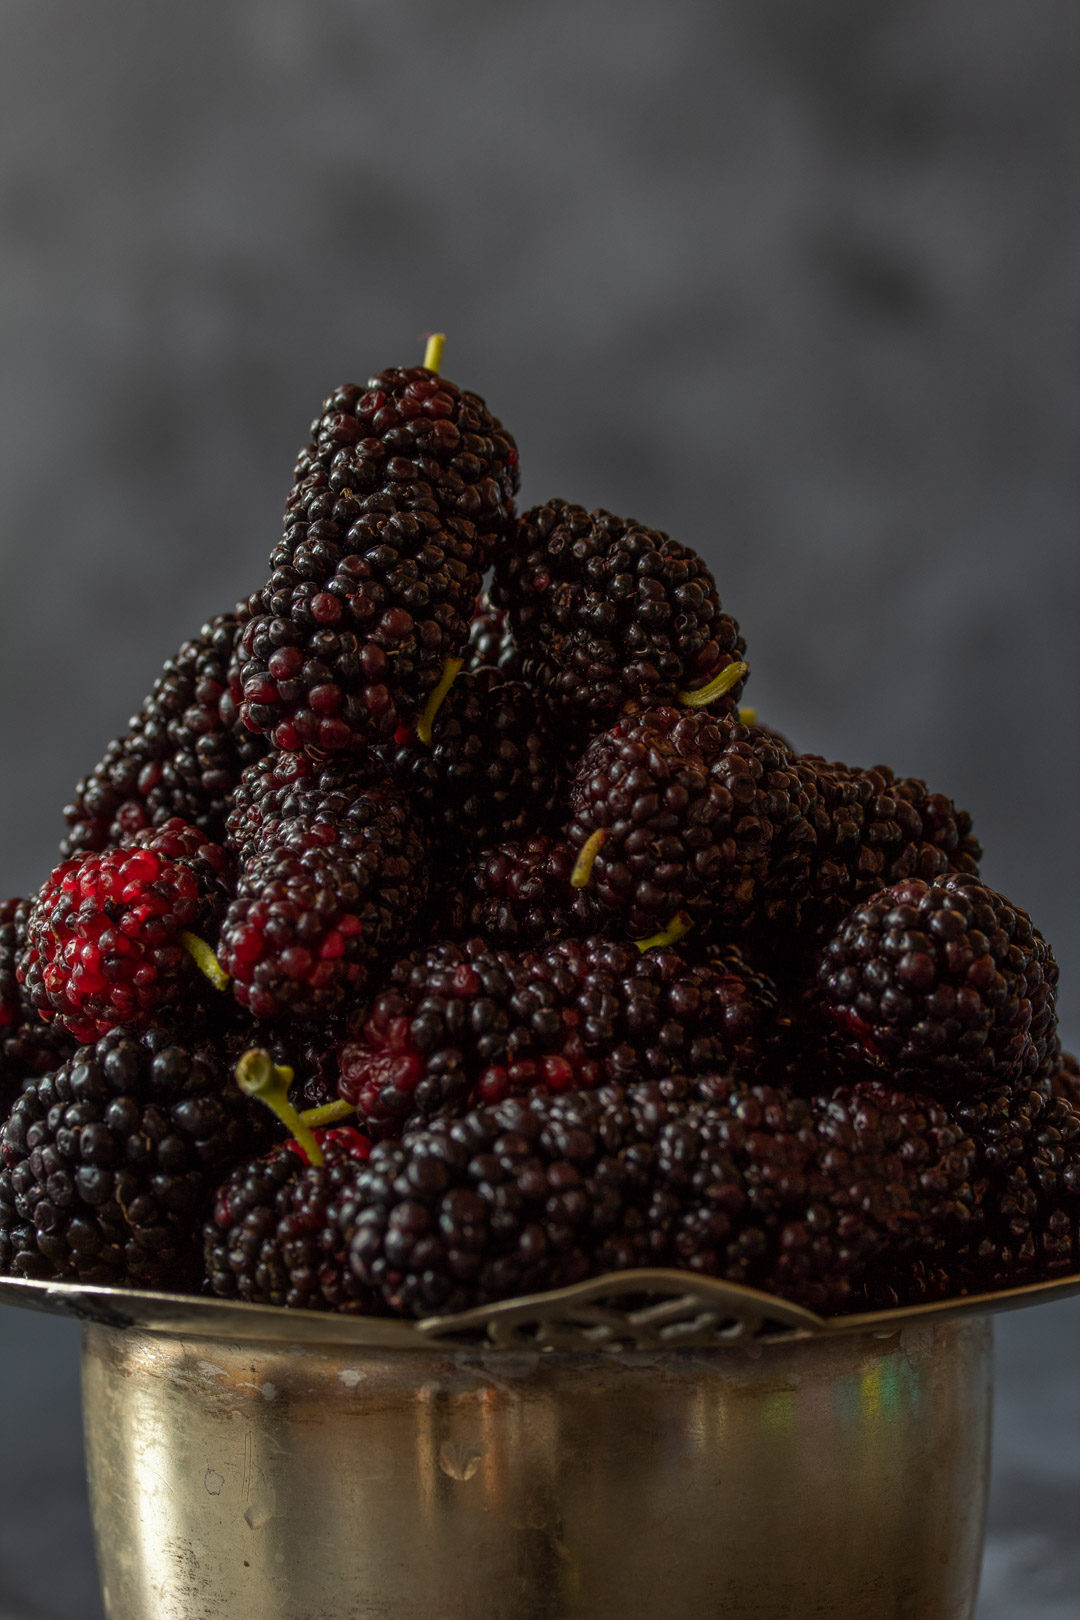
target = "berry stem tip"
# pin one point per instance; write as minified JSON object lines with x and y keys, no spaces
{"x":728,"y":677}
{"x":583,"y":866}
{"x":679,"y":925}
{"x":258,"y":1075}
{"x":434,"y":352}
{"x":205,"y":960}
{"x":451,"y":670}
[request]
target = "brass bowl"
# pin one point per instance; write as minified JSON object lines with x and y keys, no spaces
{"x":645,"y":1446}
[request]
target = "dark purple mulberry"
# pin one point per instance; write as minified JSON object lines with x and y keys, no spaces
{"x":275,"y":1237}
{"x":682,"y":811}
{"x":514,"y":895}
{"x":460,"y":1024}
{"x":607,"y":612}
{"x":744,"y":1183}
{"x":321,"y":894}
{"x":181,"y":757}
{"x":109,"y":1164}
{"x":493,"y":767}
{"x":28,"y":1046}
{"x":871,"y":829}
{"x":943,"y":984}
{"x":399,"y":502}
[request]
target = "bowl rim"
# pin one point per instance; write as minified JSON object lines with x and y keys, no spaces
{"x":651,"y":1309}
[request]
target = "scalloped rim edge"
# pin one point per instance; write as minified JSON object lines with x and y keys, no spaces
{"x":192,"y":1315}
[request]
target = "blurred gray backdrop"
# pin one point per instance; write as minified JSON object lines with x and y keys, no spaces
{"x":795,"y":282}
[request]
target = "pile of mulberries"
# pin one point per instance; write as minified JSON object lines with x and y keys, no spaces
{"x":452,"y":846}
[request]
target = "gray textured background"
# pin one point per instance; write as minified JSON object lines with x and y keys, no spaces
{"x":793,"y":281}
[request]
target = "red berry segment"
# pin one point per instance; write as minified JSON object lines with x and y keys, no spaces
{"x":103,"y":945}
{"x":334,"y":875}
{"x":461,"y":1024}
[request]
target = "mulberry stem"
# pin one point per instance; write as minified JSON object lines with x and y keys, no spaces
{"x":258,"y":1075}
{"x":205,"y":960}
{"x":727,"y":678}
{"x":679,"y":925}
{"x":328,"y":1114}
{"x":451,"y":670}
{"x":434,"y":351}
{"x":583,"y":866}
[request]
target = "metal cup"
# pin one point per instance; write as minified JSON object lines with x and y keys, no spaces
{"x":644,"y":1447}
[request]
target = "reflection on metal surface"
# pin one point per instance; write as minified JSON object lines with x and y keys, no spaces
{"x":645,"y":1444}
{"x":831,"y":1475}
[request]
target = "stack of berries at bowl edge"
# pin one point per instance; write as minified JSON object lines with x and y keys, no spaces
{"x":452,"y":845}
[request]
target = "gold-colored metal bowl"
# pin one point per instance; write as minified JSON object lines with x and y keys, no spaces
{"x":644,"y":1446}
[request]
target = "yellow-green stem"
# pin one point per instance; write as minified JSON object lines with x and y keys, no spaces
{"x":328,"y":1114}
{"x":259,"y":1076}
{"x":748,"y":717}
{"x":679,"y":925}
{"x":727,"y":678}
{"x":433,"y":353}
{"x":451,"y":670}
{"x":205,"y":960}
{"x":583,"y":866}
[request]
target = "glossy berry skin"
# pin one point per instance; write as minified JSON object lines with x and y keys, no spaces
{"x":1027,"y":1140}
{"x":109,"y":1164}
{"x":275,"y":1237}
{"x":515,"y":894}
{"x":182,"y":755}
{"x":320,"y":895}
{"x":871,"y":829}
{"x":103,"y":935}
{"x":943,"y":984}
{"x":606,"y":612}
{"x":461,"y":1024}
{"x":494,"y":766}
{"x":798,"y":1197}
{"x":1065,"y":1077}
{"x":28,"y":1046}
{"x":491,"y":641}
{"x":689,"y":807}
{"x":400,"y":499}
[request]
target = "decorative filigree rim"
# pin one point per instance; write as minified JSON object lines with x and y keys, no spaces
{"x":632,"y":1310}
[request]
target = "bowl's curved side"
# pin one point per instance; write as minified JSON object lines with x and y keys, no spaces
{"x":836,"y":1474}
